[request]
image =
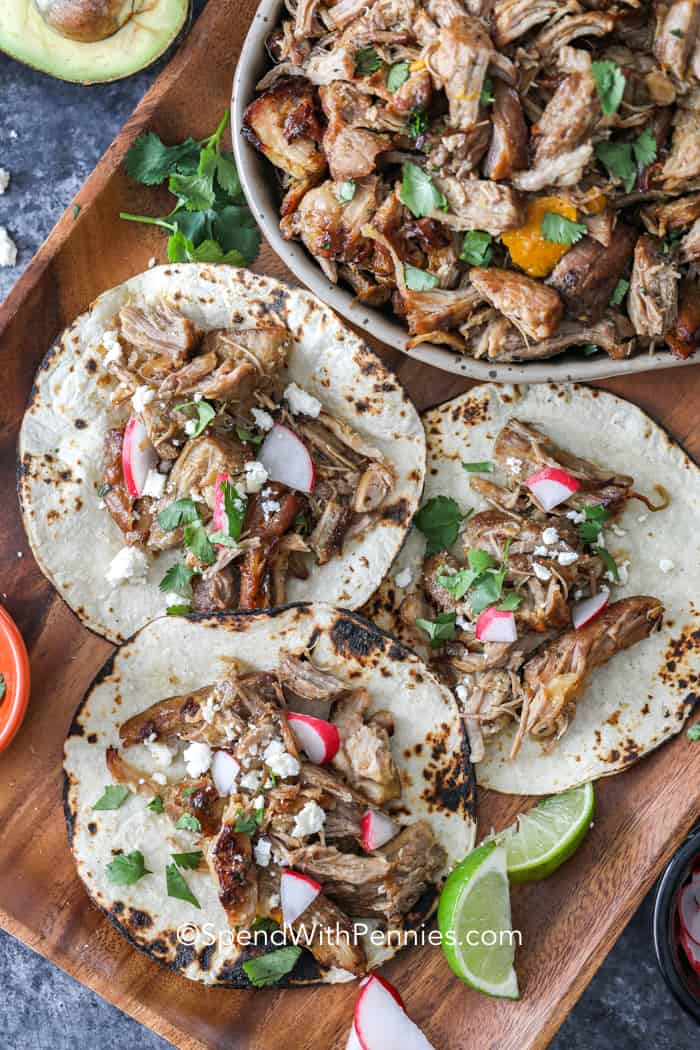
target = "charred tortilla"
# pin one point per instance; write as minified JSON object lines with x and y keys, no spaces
{"x":179,"y":656}
{"x":73,"y":446}
{"x":634,"y":699}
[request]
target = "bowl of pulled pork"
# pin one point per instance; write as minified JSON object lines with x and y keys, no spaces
{"x":506,"y":190}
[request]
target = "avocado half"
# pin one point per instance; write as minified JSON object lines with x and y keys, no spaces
{"x":90,"y":41}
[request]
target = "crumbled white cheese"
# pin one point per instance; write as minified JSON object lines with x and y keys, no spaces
{"x":8,"y":249}
{"x":541,"y":571}
{"x":300,"y":403}
{"x":190,"y":427}
{"x":550,"y":536}
{"x":251,"y":780}
{"x":623,"y":571}
{"x":541,"y":552}
{"x":308,"y":821}
{"x":255,"y":476}
{"x":666,"y":565}
{"x":262,"y":851}
{"x":4,"y":179}
{"x":274,"y":900}
{"x":567,"y":557}
{"x":514,"y":464}
{"x":160,"y":778}
{"x":263,"y":419}
{"x":113,"y":347}
{"x":616,"y":530}
{"x":258,"y":803}
{"x":642,"y":518}
{"x":155,"y":484}
{"x":403,"y":578}
{"x":197,"y":758}
{"x":141,"y":397}
{"x":209,"y":708}
{"x":462,"y":693}
{"x":161,"y":753}
{"x":129,"y":564}
{"x":270,"y":508}
{"x":280,"y":762}
{"x":576,"y":516}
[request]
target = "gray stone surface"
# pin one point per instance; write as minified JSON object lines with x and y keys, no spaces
{"x":51,"y":135}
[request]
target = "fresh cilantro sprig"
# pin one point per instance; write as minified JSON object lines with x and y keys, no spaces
{"x":188,"y":823}
{"x":441,"y":630}
{"x":694,"y":732}
{"x":419,"y":193}
{"x":484,"y":467}
{"x":477,"y":248}
{"x":619,"y":292}
{"x":201,"y":413}
{"x":557,"y":229}
{"x":596,"y":516}
{"x":177,"y":887}
{"x":624,"y":160}
{"x":179,"y":512}
{"x":188,"y":860}
{"x":397,"y":75}
{"x":419,"y":280}
{"x":114,"y":797}
{"x":178,"y":580}
{"x":267,"y":969}
{"x":440,"y":521}
{"x":418,"y":122}
{"x":367,"y":61}
{"x":346,"y":191}
{"x":127,"y":868}
{"x":610,"y":85}
{"x":156,"y":805}
{"x":211,"y":221}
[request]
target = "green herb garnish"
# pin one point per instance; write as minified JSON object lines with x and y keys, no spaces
{"x":115,"y":795}
{"x":269,"y":968}
{"x":620,"y":291}
{"x":610,"y":85}
{"x":589,"y":349}
{"x":477,"y":248}
{"x":608,"y":561}
{"x":694,"y":732}
{"x":346,"y":191}
{"x":76,"y":209}
{"x":235,"y":506}
{"x":246,"y":825}
{"x":557,"y":229}
{"x":188,"y":860}
{"x":596,"y":516}
{"x":156,"y":805}
{"x":625,"y":159}
{"x":178,"y":610}
{"x":485,"y":467}
{"x":201,"y":411}
{"x":126,"y":869}
{"x":196,"y":540}
{"x":181,"y":512}
{"x":188,"y":823}
{"x":103,"y":490}
{"x":419,"y":280}
{"x":367,"y":61}
{"x":511,"y":602}
{"x":178,"y":580}
{"x":397,"y":75}
{"x":417,"y":123}
{"x":439,"y":520}
{"x":487,"y":589}
{"x":440,"y":630}
{"x":178,"y":888}
{"x":487,"y":97}
{"x":419,"y":193}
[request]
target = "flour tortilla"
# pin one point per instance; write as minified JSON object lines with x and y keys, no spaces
{"x":178,"y":655}
{"x":70,"y":411}
{"x":643,"y":695}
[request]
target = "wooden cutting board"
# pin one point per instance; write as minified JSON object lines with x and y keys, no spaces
{"x":568,"y":924}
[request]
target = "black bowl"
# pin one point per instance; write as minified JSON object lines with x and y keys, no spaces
{"x":676,"y":971}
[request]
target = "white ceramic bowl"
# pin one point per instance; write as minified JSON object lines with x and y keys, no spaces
{"x":262,"y":190}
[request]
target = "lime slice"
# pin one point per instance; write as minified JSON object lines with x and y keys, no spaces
{"x":474,"y":920}
{"x":547,"y":835}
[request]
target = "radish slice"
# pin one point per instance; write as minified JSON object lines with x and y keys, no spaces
{"x":552,"y":486}
{"x":220,"y":519}
{"x":224,"y":772}
{"x":381,"y":1024}
{"x":584,"y":611}
{"x":353,"y":1042}
{"x":495,"y":625}
{"x":296,"y":893}
{"x":138,"y":456}
{"x":689,"y":910}
{"x":692,"y":950}
{"x":386,"y":984}
{"x":318,"y":738}
{"x":286,"y":459}
{"x":377,"y":830}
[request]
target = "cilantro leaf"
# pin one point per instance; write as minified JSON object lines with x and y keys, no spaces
{"x":203,"y":411}
{"x":620,"y":291}
{"x":480,"y":561}
{"x":590,"y":529}
{"x":589,"y":349}
{"x":235,"y":506}
{"x":188,"y":860}
{"x":267,"y":969}
{"x":346,"y":191}
{"x":3,"y":687}
{"x":557,"y":229}
{"x":227,"y":176}
{"x":645,"y":149}
{"x":618,"y":158}
{"x":103,"y":490}
{"x":178,"y":580}
{"x":419,"y":280}
{"x":245,"y":825}
{"x":179,"y":512}
{"x":222,"y":539}
{"x":397,"y":75}
{"x":418,"y":192}
{"x":511,"y":602}
{"x":610,"y":85}
{"x":127,"y":868}
{"x":439,"y":520}
{"x":488,"y":588}
{"x":188,"y":823}
{"x":487,"y":97}
{"x":156,"y":805}
{"x":196,"y":540}
{"x":178,"y":888}
{"x":115,"y":795}
{"x":694,"y":732}
{"x":150,"y":162}
{"x":458,"y":583}
{"x":477,"y":248}
{"x":367,"y":61}
{"x":418,"y":122}
{"x":608,"y":561}
{"x":485,"y":467}
{"x":195,"y":191}
{"x":178,"y":610}
{"x":235,"y":229}
{"x":440,"y":630}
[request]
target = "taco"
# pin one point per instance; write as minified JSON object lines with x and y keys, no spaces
{"x":550,"y":577}
{"x":207,"y":439}
{"x":196,"y":793}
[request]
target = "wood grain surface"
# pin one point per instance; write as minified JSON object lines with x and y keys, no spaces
{"x":568,"y":924}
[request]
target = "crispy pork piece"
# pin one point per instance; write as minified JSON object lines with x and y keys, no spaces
{"x":683,"y":162}
{"x":587,"y":275}
{"x":215,"y":593}
{"x":439,"y":308}
{"x":283,"y":124}
{"x":119,"y":503}
{"x":442,"y":564}
{"x":613,"y":333}
{"x":160,"y":331}
{"x":666,"y":216}
{"x":270,"y":514}
{"x":352,"y":152}
{"x":327,"y":932}
{"x":326,"y":540}
{"x":230,"y":858}
{"x":552,"y":39}
{"x":676,"y":35}
{"x":684,"y":339}
{"x":653,"y":296}
{"x":515,"y":18}
{"x":184,"y":716}
{"x":244,"y":360}
{"x":365,"y":757}
{"x":690,"y":245}
{"x":491,"y":530}
{"x":478,"y":204}
{"x":489,"y":701}
{"x":331,"y":229}
{"x":304,"y":679}
{"x":532,"y":308}
{"x":202,"y":461}
{"x":555,"y":679}
{"x":458,"y":61}
{"x":509,"y":136}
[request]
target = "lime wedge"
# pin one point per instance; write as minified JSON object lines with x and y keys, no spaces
{"x":474,"y":920}
{"x":547,"y":835}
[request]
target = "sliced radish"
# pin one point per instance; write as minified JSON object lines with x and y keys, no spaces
{"x":138,"y":456}
{"x":286,"y":459}
{"x":584,"y":611}
{"x":296,"y":893}
{"x":689,"y":910}
{"x":692,"y":950}
{"x":220,"y":519}
{"x":224,"y":772}
{"x":318,"y":738}
{"x":552,"y":486}
{"x":386,"y":984}
{"x":377,"y":829}
{"x":381,"y":1023}
{"x":495,"y":625}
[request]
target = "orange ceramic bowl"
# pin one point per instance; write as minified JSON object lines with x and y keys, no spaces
{"x":14,"y":667}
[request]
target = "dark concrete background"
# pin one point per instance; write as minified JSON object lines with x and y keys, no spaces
{"x":51,"y":136}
